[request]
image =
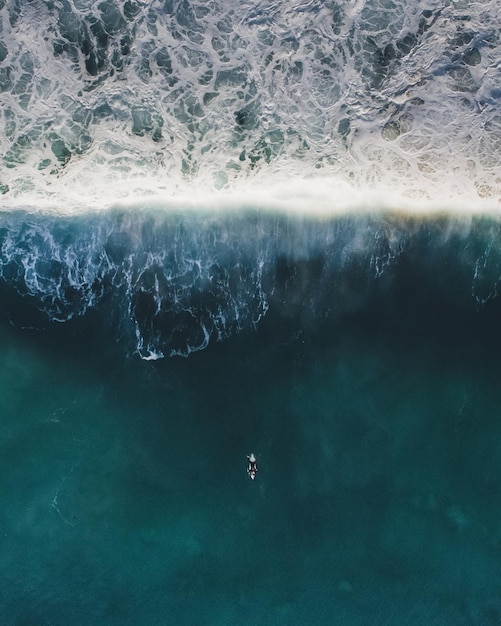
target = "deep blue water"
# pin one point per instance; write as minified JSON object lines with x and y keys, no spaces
{"x":370,"y":399}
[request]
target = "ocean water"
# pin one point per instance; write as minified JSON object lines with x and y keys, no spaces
{"x":270,"y":228}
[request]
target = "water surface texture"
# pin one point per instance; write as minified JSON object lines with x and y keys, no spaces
{"x":269,"y":228}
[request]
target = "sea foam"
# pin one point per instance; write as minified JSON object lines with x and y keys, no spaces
{"x":310,"y":106}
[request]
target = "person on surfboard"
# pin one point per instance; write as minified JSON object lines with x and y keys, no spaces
{"x":252,"y":467}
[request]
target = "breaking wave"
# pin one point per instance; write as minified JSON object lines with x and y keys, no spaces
{"x":189,"y":165}
{"x":175,"y":282}
{"x":181,"y":98}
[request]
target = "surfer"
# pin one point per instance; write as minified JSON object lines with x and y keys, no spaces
{"x":252,"y":467}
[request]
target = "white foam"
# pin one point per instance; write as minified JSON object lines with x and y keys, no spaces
{"x":290,"y":105}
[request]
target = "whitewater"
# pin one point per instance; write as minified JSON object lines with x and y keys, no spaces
{"x":307,"y":105}
{"x":149,"y":150}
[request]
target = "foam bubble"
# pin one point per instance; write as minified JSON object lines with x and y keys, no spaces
{"x":377,"y":103}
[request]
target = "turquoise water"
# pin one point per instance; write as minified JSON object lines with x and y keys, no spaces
{"x":124,"y":488}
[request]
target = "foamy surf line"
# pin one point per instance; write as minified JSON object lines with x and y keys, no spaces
{"x":311,"y":199}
